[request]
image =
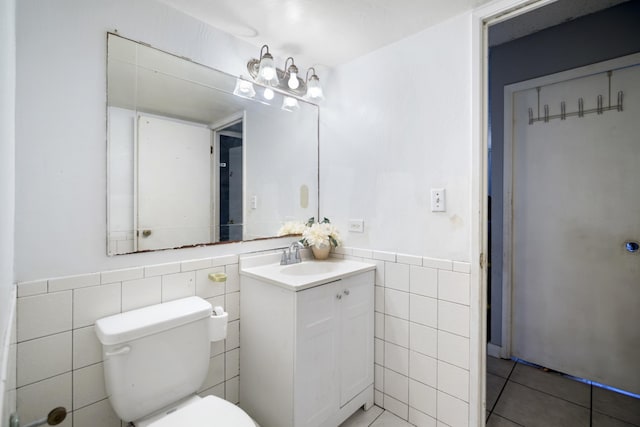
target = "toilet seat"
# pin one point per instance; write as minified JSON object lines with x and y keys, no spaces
{"x":206,"y":412}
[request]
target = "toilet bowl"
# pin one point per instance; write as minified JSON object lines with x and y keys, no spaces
{"x":200,"y":412}
{"x":155,"y":360}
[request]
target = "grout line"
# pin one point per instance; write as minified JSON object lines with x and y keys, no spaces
{"x":501,"y":391}
{"x":376,"y":418}
{"x":549,"y":394}
{"x":590,"y":405}
{"x":545,"y":392}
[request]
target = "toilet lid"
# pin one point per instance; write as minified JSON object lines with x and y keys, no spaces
{"x":209,"y":411}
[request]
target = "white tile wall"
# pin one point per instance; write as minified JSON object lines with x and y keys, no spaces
{"x":421,"y":328}
{"x":43,"y":358}
{"x":43,"y":315}
{"x":8,"y":367}
{"x":179,"y":285}
{"x":422,"y":337}
{"x":37,"y":399}
{"x":59,"y":358}
{"x":396,"y":358}
{"x":141,"y":293}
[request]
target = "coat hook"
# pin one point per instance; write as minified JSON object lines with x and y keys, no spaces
{"x":580,"y":107}
{"x":546,"y":113}
{"x":599,"y":104}
{"x":620,"y":97}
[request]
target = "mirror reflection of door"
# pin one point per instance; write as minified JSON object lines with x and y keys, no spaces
{"x":173,"y":183}
{"x":230,"y":182}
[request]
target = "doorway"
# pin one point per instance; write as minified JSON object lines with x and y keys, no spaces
{"x":558,"y":48}
{"x":230,"y":179}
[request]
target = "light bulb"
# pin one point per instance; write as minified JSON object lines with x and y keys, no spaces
{"x":314,"y":90}
{"x":293,"y":81}
{"x":268,"y":72}
{"x":268,"y":94}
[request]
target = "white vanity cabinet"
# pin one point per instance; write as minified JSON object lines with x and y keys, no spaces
{"x":306,"y":357}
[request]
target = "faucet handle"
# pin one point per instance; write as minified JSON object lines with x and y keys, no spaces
{"x":284,"y":260}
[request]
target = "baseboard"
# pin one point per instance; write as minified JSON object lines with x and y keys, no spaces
{"x":493,"y":350}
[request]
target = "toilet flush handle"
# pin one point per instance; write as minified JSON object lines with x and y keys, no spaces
{"x":119,"y":352}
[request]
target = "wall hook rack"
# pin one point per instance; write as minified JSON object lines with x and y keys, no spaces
{"x":600,"y":108}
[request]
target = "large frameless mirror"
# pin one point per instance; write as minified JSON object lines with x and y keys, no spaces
{"x":190,"y":163}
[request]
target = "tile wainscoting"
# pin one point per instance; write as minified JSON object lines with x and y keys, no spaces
{"x":59,"y":358}
{"x":8,"y":365}
{"x":421,"y":346}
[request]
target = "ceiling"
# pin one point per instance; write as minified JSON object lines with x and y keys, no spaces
{"x":332,"y":32}
{"x":326,"y":32}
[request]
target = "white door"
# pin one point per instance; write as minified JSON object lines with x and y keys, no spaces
{"x":356,"y":336}
{"x":174,"y":184}
{"x":576,"y":201}
{"x":316,"y":373}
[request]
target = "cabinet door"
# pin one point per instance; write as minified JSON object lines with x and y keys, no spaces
{"x":316,"y":373}
{"x":356,"y":335}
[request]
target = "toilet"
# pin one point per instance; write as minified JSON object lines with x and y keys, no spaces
{"x":155,"y":360}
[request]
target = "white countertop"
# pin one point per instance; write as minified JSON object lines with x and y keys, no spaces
{"x":303,"y":275}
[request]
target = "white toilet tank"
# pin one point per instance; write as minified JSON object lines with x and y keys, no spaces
{"x":155,"y":356}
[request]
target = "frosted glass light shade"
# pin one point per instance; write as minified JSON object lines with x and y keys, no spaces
{"x":267,"y":73}
{"x":314,"y":90}
{"x":290,"y":104}
{"x":244,"y":89}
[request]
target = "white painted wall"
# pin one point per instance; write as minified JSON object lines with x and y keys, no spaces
{"x":60,"y":126}
{"x":397,"y":122}
{"x":279,"y":145}
{"x":7,"y":183}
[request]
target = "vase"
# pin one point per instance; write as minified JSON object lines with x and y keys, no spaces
{"x":321,"y":252}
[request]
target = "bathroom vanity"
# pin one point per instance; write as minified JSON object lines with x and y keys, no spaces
{"x":306,"y":341}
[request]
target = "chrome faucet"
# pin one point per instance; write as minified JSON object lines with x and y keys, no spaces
{"x":293,"y":256}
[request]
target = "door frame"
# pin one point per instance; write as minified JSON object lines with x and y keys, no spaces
{"x":218,"y":150}
{"x":217,"y":129}
{"x":481,"y":19}
{"x":507,"y":231}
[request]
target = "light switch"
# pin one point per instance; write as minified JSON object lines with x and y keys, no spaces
{"x":438,"y":200}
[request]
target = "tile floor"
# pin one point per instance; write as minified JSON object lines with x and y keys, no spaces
{"x":375,"y":417}
{"x":521,"y":395}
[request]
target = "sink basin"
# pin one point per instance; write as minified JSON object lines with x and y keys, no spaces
{"x":307,"y":268}
{"x":303,"y":275}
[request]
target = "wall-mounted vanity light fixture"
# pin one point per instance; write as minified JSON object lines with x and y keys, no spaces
{"x":314,"y":90}
{"x":264,"y":72}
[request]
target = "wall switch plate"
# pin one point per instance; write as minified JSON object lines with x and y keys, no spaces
{"x":356,"y":225}
{"x":438,"y":200}
{"x":254,"y":202}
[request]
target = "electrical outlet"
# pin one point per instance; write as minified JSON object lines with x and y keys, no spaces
{"x":438,"y":200}
{"x":356,"y":225}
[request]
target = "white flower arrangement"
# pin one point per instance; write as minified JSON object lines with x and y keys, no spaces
{"x":291,"y":228}
{"x":320,"y":234}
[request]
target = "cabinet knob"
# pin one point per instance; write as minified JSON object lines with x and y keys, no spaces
{"x":339,"y":296}
{"x":346,"y":292}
